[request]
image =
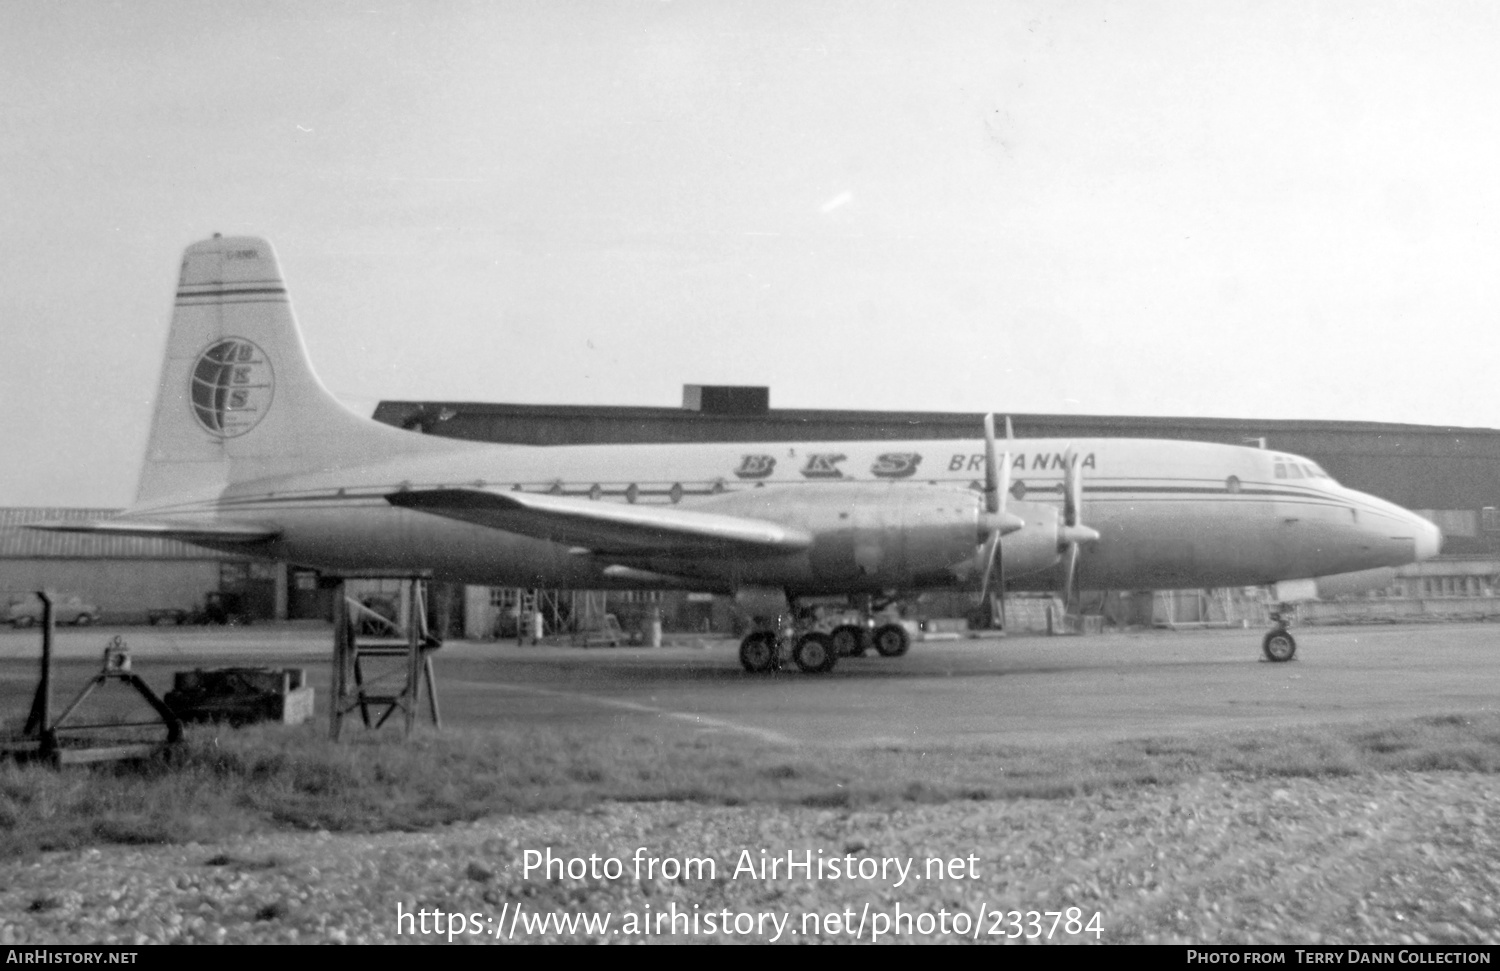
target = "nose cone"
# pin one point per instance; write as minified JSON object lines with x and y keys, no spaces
{"x":1429,"y":539}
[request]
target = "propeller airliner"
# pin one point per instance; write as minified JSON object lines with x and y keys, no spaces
{"x":248,"y":451}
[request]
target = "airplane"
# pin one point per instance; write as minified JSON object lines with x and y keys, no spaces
{"x":249,"y":452}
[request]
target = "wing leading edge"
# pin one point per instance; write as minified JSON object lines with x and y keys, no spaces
{"x":608,"y":528}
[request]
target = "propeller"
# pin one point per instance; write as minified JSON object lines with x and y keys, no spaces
{"x":1071,"y":533}
{"x":995,"y":522}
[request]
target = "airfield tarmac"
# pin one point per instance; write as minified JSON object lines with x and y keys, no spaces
{"x":1025,"y":690}
{"x":1396,"y":857}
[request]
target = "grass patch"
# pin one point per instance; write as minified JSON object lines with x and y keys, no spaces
{"x":221,"y":783}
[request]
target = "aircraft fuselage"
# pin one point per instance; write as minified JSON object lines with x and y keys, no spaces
{"x":887,"y":515}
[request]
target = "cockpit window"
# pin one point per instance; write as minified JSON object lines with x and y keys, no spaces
{"x":1297,"y":467}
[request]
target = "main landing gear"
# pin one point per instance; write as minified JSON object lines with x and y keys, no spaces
{"x":817,"y":652}
{"x":1279,"y":645}
{"x":813,"y":651}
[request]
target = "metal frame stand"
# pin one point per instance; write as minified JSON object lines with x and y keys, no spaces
{"x":116,"y":668}
{"x":42,"y":736}
{"x":378,"y":694}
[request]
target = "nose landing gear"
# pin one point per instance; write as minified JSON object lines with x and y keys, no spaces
{"x":1279,"y":645}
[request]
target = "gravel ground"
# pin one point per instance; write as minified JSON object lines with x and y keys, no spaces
{"x":1395,"y":858}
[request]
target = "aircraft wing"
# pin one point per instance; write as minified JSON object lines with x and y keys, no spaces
{"x":608,"y":528}
{"x":165,"y":529}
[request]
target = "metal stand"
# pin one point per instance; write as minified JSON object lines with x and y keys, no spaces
{"x":116,"y":668}
{"x":42,"y":737}
{"x":402,"y":671}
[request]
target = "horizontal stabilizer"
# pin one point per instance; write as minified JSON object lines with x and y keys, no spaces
{"x":608,"y":527}
{"x":161,"y":529}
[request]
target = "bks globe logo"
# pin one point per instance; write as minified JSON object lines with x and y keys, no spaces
{"x":231,"y":387}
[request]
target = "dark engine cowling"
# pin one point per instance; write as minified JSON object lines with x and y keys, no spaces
{"x":874,"y":536}
{"x":867,"y":535}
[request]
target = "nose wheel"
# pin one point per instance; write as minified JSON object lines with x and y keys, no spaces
{"x":1279,"y":645}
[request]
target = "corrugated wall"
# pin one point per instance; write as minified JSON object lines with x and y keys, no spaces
{"x":17,"y":542}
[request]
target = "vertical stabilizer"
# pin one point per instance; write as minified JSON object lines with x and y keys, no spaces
{"x":238,"y":398}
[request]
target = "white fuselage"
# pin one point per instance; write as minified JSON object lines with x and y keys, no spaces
{"x":1169,"y":514}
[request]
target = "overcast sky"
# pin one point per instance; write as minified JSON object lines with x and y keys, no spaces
{"x":1275,"y":210}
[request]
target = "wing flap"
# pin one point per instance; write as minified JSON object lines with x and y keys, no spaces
{"x":608,"y":527}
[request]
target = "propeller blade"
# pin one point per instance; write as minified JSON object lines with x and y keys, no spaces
{"x":1070,"y":569}
{"x":991,"y":555}
{"x":996,"y":487}
{"x":1072,"y":489}
{"x":996,"y":522}
{"x":992,"y":498}
{"x":1070,"y":531}
{"x":1004,"y":624}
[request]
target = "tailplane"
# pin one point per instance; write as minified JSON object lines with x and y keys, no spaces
{"x":238,"y":398}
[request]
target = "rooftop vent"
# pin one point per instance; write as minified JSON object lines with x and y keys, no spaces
{"x":726,"y":399}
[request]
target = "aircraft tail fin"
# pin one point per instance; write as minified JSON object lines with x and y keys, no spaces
{"x":238,"y":397}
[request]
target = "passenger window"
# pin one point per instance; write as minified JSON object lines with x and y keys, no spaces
{"x":1232,"y":483}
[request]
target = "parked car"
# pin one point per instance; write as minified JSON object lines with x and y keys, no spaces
{"x":72,"y":610}
{"x":219,"y":607}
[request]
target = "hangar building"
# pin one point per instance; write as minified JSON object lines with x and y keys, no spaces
{"x":125,"y":577}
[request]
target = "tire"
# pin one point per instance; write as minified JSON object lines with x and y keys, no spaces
{"x":758,"y":652}
{"x":849,"y":640}
{"x":815,"y":653}
{"x":892,"y":640}
{"x":1279,"y":646}
{"x":83,"y":620}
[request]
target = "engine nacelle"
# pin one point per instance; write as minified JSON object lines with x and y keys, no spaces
{"x":866,"y":535}
{"x":1033,"y":547}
